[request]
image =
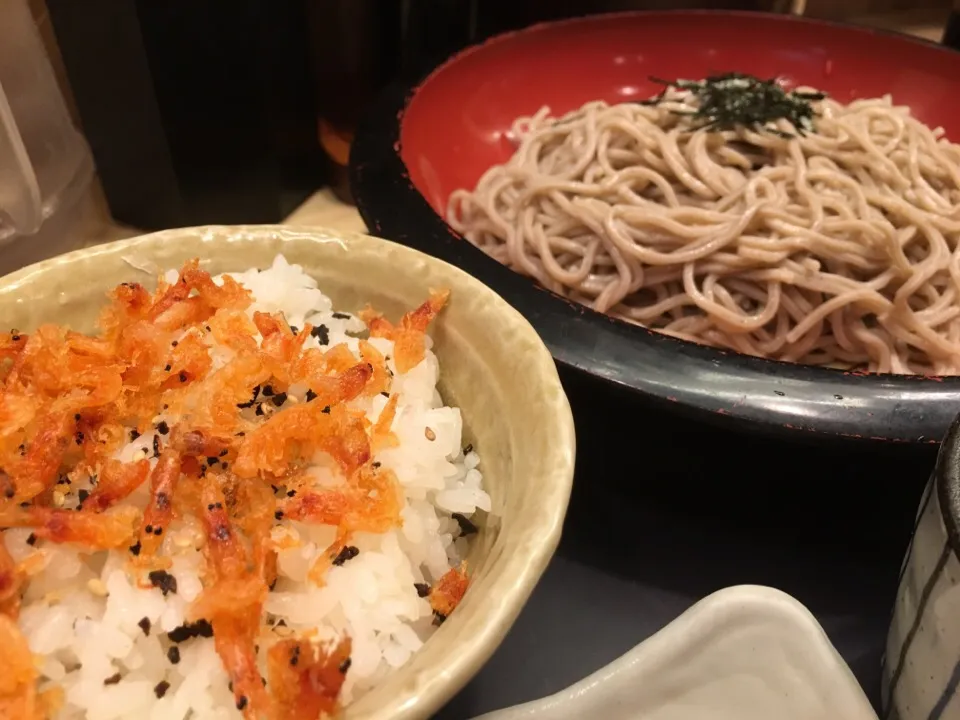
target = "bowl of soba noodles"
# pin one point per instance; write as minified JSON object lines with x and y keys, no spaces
{"x":748,"y":215}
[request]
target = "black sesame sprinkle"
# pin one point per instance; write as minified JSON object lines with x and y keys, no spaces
{"x":348,"y":553}
{"x":226,"y":465}
{"x":112,"y":680}
{"x":82,"y":495}
{"x":281,"y":623}
{"x":321,"y":333}
{"x":31,"y":539}
{"x":156,"y":446}
{"x":279,"y":399}
{"x":291,"y":493}
{"x":201,"y":628}
{"x":241,"y":702}
{"x":345,"y":665}
{"x":326,"y":410}
{"x":174,"y":343}
{"x":213,"y":460}
{"x":183,"y":376}
{"x":422,"y":589}
{"x":341,"y":316}
{"x":173,"y":654}
{"x":79,"y":438}
{"x":311,"y":396}
{"x":385,"y":394}
{"x":223,"y":453}
{"x":278,"y":515}
{"x":158,"y":530}
{"x":267,"y":390}
{"x":167,"y":368}
{"x":375,"y":465}
{"x":162,"y":427}
{"x":135,"y":549}
{"x":134,"y":434}
{"x":148,"y":529}
{"x":295,"y":655}
{"x":468,"y":449}
{"x":466,"y":525}
{"x":144,"y":625}
{"x":160,"y":689}
{"x":294,"y":329}
{"x":15,"y":338}
{"x":77,"y":417}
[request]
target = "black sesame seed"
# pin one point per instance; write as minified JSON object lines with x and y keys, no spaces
{"x":31,"y":539}
{"x":135,"y":549}
{"x":341,"y":316}
{"x":267,"y":390}
{"x":160,"y":689}
{"x":347,"y":553}
{"x":278,"y":515}
{"x":82,"y":495}
{"x":134,"y":434}
{"x":148,"y":529}
{"x":291,"y":493}
{"x":112,"y":680}
{"x":385,"y":394}
{"x":345,"y":665}
{"x":241,"y":434}
{"x":173,"y":654}
{"x":77,"y":417}
{"x":375,"y":465}
{"x":466,"y":525}
{"x":241,"y":702}
{"x":211,"y":506}
{"x":175,"y":343}
{"x":144,"y":625}
{"x":321,"y":333}
{"x":162,"y":427}
{"x":163,"y":581}
{"x":156,"y":446}
{"x":218,"y":506}
{"x":279,"y":399}
{"x":79,"y":438}
{"x":207,"y":328}
{"x":281,"y":623}
{"x":183,"y":376}
{"x":326,"y":410}
{"x":167,"y":368}
{"x":223,"y":453}
{"x":422,"y":589}
{"x":158,"y":530}
{"x":294,"y":329}
{"x":15,"y":338}
{"x":226,"y":465}
{"x":311,"y":396}
{"x":468,"y":449}
{"x":295,"y":655}
{"x":212,"y":460}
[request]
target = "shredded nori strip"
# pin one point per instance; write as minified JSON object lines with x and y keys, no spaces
{"x":732,"y":100}
{"x":341,"y":316}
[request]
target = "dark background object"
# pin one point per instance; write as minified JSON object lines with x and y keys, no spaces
{"x":450,"y":129}
{"x":664,"y":513}
{"x":196,"y":112}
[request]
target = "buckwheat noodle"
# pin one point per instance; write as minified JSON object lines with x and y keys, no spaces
{"x":840,"y":247}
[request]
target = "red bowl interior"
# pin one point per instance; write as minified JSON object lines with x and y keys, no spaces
{"x":452,"y":129}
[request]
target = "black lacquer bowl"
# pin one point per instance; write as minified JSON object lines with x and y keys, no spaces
{"x":423,"y":139}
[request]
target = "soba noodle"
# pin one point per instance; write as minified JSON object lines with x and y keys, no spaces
{"x":838,"y":247}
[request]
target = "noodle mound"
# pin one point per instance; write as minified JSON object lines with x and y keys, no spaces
{"x":838,"y":247}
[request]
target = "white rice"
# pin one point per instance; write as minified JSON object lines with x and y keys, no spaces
{"x":83,"y":615}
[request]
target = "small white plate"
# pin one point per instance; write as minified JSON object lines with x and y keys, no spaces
{"x":744,"y":653}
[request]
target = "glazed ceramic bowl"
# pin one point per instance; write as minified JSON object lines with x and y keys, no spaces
{"x":921,"y":673}
{"x":493,"y":367}
{"x":441,"y":132}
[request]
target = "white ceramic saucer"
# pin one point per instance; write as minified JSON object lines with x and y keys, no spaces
{"x":744,"y":653}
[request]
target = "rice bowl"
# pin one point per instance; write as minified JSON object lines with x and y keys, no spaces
{"x":118,"y":642}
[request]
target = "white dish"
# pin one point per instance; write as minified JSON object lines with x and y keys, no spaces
{"x":744,"y":653}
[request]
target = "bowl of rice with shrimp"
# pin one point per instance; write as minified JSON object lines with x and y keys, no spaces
{"x":266,"y":472}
